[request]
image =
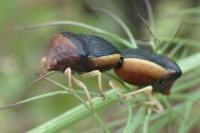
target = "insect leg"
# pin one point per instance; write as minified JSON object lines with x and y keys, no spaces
{"x":68,"y":74}
{"x":114,"y":85}
{"x":157,"y":107}
{"x":98,"y":74}
{"x":83,"y":86}
{"x":153,"y":101}
{"x":146,"y":90}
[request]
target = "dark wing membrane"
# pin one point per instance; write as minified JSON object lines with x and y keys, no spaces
{"x":76,"y":39}
{"x":98,"y":46}
{"x":159,"y":59}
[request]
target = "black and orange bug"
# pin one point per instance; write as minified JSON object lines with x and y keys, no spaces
{"x":88,"y":55}
{"x":154,"y":72}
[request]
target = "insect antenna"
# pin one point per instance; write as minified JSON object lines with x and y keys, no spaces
{"x":54,"y":93}
{"x":40,"y":77}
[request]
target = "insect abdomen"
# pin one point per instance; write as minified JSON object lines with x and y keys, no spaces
{"x":139,"y":71}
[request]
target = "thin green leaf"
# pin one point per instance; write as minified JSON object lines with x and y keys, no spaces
{"x":184,"y":123}
{"x":34,"y":98}
{"x":79,"y":24}
{"x":190,"y":62}
{"x":137,"y":120}
{"x":121,"y":23}
{"x":175,"y":40}
{"x":160,"y":123}
{"x":153,"y":39}
{"x":146,"y":121}
{"x":189,"y":11}
{"x":193,"y":122}
{"x":175,"y":49}
{"x":130,"y":116}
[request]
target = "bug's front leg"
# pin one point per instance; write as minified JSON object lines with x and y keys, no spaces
{"x":98,"y":74}
{"x":83,"y":86}
{"x":68,"y":74}
{"x":70,"y":77}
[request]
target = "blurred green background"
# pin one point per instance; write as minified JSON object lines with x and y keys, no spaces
{"x":21,"y":50}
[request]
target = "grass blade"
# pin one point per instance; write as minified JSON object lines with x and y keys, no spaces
{"x":137,"y":120}
{"x":79,"y":24}
{"x":121,"y":23}
{"x":146,"y":121}
{"x":184,"y":123}
{"x":34,"y":98}
{"x":130,"y":117}
{"x":190,"y":62}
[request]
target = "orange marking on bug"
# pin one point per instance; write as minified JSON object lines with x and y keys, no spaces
{"x":107,"y":61}
{"x":140,"y":72}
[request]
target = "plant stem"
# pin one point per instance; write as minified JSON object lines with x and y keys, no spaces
{"x":73,"y":115}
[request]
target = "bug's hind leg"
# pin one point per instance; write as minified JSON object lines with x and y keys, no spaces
{"x":98,"y":74}
{"x":115,"y":85}
{"x":68,"y":74}
{"x":146,"y":90}
{"x":83,"y":86}
{"x":152,"y":101}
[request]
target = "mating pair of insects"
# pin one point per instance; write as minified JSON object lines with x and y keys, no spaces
{"x":89,"y":55}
